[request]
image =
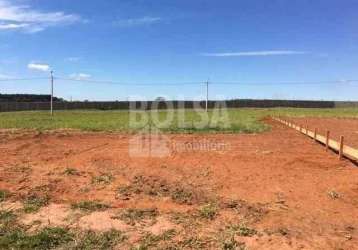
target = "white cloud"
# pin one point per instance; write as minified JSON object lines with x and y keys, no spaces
{"x":80,"y":76}
{"x":38,"y":66}
{"x":256,"y":53}
{"x":13,"y":26}
{"x":24,"y":18}
{"x":137,"y":21}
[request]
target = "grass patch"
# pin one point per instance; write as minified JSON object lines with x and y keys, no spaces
{"x":131,"y":216}
{"x":251,"y":212}
{"x":7,"y":216}
{"x":3,"y":195}
{"x":208,"y":211}
{"x":186,"y":220}
{"x":232,"y":244}
{"x":13,"y":236}
{"x":47,"y":238}
{"x":89,"y":206}
{"x":226,"y":236}
{"x":194,"y":242}
{"x":314,"y":112}
{"x":245,"y":231}
{"x":150,"y":240}
{"x":103,"y":179}
{"x":102,"y":241}
{"x":151,"y":186}
{"x":240,"y":120}
{"x":237,"y":121}
{"x":156,"y":186}
{"x":7,"y":221}
{"x":241,"y":230}
{"x":182,"y":196}
{"x":34,"y":202}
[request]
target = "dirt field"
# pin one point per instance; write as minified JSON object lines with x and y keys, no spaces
{"x":275,"y":190}
{"x":337,"y":126}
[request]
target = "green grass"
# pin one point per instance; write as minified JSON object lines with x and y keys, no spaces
{"x":243,"y":230}
{"x":133,"y":215}
{"x":151,"y":241}
{"x":7,"y":220}
{"x":232,"y":244}
{"x":48,"y":238}
{"x":208,"y":211}
{"x":182,"y":196}
{"x":103,"y":179}
{"x":59,"y":238}
{"x":6,"y":215}
{"x":321,"y":113}
{"x":33,"y":203}
{"x":3,"y":195}
{"x":89,"y":206}
{"x":101,"y":241}
{"x":243,"y":120}
{"x":14,"y":235}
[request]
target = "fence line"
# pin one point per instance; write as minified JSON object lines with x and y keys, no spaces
{"x":343,"y":150}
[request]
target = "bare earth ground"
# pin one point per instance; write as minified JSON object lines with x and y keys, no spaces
{"x":280,"y":183}
{"x":337,"y":126}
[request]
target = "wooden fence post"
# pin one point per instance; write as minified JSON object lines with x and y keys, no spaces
{"x":306,"y":128}
{"x":341,"y":147}
{"x":343,"y":150}
{"x":327,"y":139}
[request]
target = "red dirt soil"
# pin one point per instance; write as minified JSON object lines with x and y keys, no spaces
{"x":287,"y":174}
{"x":337,"y":126}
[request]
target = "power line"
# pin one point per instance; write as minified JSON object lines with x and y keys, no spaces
{"x":214,"y":83}
{"x":23,"y":79}
{"x":126,"y":83}
{"x":288,"y":83}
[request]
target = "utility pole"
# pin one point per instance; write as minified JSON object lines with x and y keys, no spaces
{"x":207,"y":95}
{"x":51,"y":92}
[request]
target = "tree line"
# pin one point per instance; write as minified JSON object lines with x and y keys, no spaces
{"x":27,"y":98}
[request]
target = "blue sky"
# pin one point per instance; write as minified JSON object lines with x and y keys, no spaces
{"x":181,"y":41}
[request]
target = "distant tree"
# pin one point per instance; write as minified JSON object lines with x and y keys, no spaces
{"x":27,"y":98}
{"x":160,"y":99}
